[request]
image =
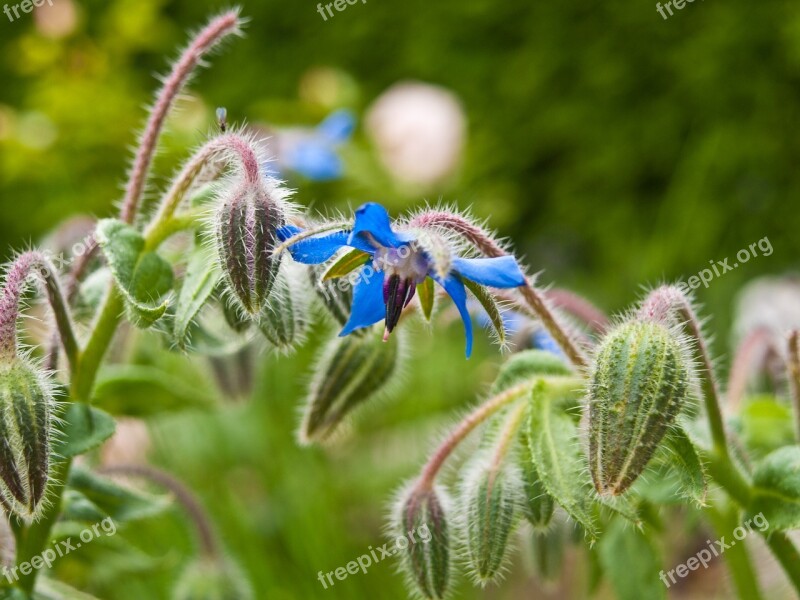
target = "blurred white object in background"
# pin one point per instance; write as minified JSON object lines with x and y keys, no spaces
{"x":771,"y":304}
{"x":419,"y":130}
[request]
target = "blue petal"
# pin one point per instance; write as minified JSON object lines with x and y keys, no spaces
{"x":453,"y":286}
{"x":372,"y":219}
{"x":314,"y":250}
{"x":368,"y":306}
{"x":502,"y":272}
{"x":542,"y":340}
{"x":315,"y":159}
{"x":338,"y":126}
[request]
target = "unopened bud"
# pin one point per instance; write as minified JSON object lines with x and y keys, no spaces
{"x":491,"y":496}
{"x":639,"y":383}
{"x":284,"y":318}
{"x":353,"y":369}
{"x":537,"y":505}
{"x":427,"y":562}
{"x":26,"y":403}
{"x":246,"y":234}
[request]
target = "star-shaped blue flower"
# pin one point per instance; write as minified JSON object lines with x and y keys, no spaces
{"x":388,"y":283}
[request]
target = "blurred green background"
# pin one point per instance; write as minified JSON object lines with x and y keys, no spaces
{"x":615,"y":149}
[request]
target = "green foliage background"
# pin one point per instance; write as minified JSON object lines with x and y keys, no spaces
{"x":616,"y":149}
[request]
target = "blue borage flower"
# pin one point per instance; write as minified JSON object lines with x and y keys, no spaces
{"x":401,"y":260}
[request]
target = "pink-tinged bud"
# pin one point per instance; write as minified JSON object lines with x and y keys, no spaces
{"x":247,"y":221}
{"x":26,"y":403}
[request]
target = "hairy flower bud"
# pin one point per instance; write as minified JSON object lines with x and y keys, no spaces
{"x":427,"y":565}
{"x":352,"y":370}
{"x":246,"y":225}
{"x":491,"y":496}
{"x":26,"y":402}
{"x":639,"y":383}
{"x":284,"y":318}
{"x":537,"y":505}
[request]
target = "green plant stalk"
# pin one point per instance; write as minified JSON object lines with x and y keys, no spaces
{"x":737,"y":558}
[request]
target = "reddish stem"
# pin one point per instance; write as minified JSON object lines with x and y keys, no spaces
{"x":751,"y":356}
{"x":483,"y":241}
{"x":219,"y":28}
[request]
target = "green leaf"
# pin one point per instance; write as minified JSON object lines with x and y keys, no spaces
{"x":83,"y":428}
{"x":491,"y":307}
{"x":776,"y":483}
{"x":143,"y":391}
{"x":50,"y":589}
{"x":199,"y":283}
{"x":685,"y":460}
{"x":556,"y":453}
{"x":766,"y":425}
{"x":425,"y":291}
{"x":122,"y":504}
{"x":631,"y":563}
{"x":143,"y":277}
{"x":345,"y":265}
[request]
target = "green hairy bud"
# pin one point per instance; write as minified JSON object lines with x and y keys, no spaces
{"x":209,"y":579}
{"x":639,"y":383}
{"x":284,"y":318}
{"x":537,"y":504}
{"x":426,"y":565}
{"x":246,"y":227}
{"x":491,"y":496}
{"x":352,"y":370}
{"x":26,"y":404}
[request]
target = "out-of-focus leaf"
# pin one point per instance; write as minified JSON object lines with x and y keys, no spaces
{"x":630,"y":562}
{"x":120,"y":503}
{"x":83,"y":428}
{"x":776,"y":483}
{"x":142,"y":391}
{"x":766,"y":425}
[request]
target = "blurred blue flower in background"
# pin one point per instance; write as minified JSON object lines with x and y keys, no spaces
{"x":313,"y":153}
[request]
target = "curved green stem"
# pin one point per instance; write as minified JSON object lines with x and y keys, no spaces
{"x":787,"y":554}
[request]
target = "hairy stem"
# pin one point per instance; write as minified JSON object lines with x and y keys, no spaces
{"x":485,"y":243}
{"x":26,"y":264}
{"x":222,"y":26}
{"x":234,"y":148}
{"x":667,"y":304}
{"x":508,"y":435}
{"x":794,"y":377}
{"x":478,"y":416}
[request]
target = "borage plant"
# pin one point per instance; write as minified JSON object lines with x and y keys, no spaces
{"x":602,"y":434}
